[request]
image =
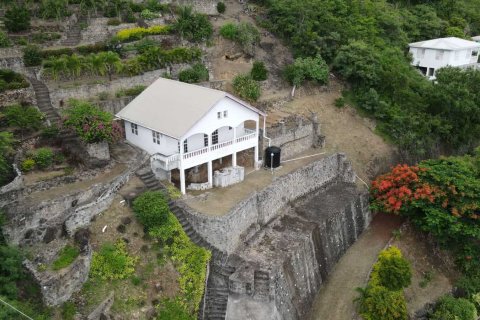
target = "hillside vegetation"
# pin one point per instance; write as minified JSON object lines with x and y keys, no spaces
{"x":366,"y":43}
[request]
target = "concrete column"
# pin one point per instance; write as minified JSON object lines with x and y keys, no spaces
{"x":255,"y":159}
{"x":210,"y":173}
{"x":182,"y":181}
{"x":234,"y":159}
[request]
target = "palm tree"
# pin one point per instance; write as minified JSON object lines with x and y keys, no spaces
{"x":74,"y":65}
{"x":56,"y":66}
{"x":94,"y":63}
{"x":111,"y":63}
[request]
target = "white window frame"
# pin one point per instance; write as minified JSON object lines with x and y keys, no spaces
{"x":225,"y":113}
{"x":185,"y":146}
{"x":156,"y":137}
{"x":219,"y":115}
{"x":134,"y":128}
{"x":205,"y":140}
{"x":215,"y":137}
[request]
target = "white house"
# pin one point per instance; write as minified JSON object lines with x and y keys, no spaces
{"x":183,"y":126}
{"x":431,"y":55}
{"x":476,"y":38}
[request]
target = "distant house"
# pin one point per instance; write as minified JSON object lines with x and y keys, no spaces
{"x":183,"y":126}
{"x":431,"y":55}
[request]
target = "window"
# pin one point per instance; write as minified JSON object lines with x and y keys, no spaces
{"x":134,"y":128}
{"x":230,"y":128}
{"x":185,"y":146}
{"x":420,"y":53}
{"x":178,"y":146}
{"x":156,"y":137}
{"x":215,"y":137}
{"x":225,"y":113}
{"x":205,"y":140}
{"x":431,"y":72}
{"x":474,"y":53}
{"x":219,"y":115}
{"x":439,"y":55}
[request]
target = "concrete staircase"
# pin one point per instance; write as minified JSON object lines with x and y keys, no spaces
{"x":44,"y":103}
{"x":216,"y":292}
{"x":74,"y":34}
{"x":261,"y":284}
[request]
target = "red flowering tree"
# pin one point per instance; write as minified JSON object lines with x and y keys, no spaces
{"x":90,"y":123}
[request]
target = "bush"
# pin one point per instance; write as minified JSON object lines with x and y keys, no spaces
{"x":54,"y":53}
{"x":244,"y":34}
{"x":246,"y":87}
{"x":4,"y":41}
{"x":133,"y":91}
{"x":340,"y":102}
{"x":151,"y":209}
{"x":381,"y":303}
{"x":138,"y":33}
{"x":112,"y":262}
{"x":392,"y":270}
{"x":23,"y":117}
{"x":17,"y":18}
{"x":43,"y":157}
{"x":54,"y":9}
{"x":193,"y":26}
{"x":449,"y":308}
{"x":221,"y":7}
{"x":50,"y":132}
{"x":315,"y":69}
{"x":173,"y":309}
{"x":28,"y":164}
{"x":148,"y":15}
{"x":259,"y":72}
{"x":197,"y":73}
{"x":66,"y":257}
{"x":32,"y":56}
{"x":6,"y":150}
{"x":11,"y":270}
{"x":92,"y":48}
{"x":68,"y":311}
{"x":229,"y":31}
{"x":469,"y":285}
{"x":10,"y":80}
{"x":113,"y":22}
{"x":90,"y":123}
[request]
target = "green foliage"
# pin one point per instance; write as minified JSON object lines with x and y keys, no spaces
{"x":4,"y":40}
{"x":469,"y":285}
{"x":192,"y":25}
{"x":244,"y":34}
{"x":246,"y":87}
{"x":381,"y":303}
{"x":66,"y":257}
{"x":340,"y":102}
{"x":113,"y":22}
{"x":148,"y":15}
{"x":11,"y":271}
{"x":90,"y":123}
{"x":139,"y":32}
{"x":23,"y":117}
{"x":133,"y":91}
{"x":155,"y":57}
{"x":32,"y":56}
{"x":197,"y":73}
{"x":54,"y":9}
{"x":10,"y":80}
{"x":17,"y":18}
{"x":450,"y":308}
{"x":173,"y":309}
{"x":259,"y":72}
{"x":6,"y":150}
{"x":392,"y":271}
{"x":151,"y":209}
{"x":112,"y":262}
{"x":68,"y":310}
{"x":302,"y":69}
{"x":221,"y":7}
{"x":28,"y":164}
{"x":43,"y":157}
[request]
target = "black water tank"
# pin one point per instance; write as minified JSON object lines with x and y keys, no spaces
{"x":272,"y":157}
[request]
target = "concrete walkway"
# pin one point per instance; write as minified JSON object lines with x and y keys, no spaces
{"x":335,"y":299}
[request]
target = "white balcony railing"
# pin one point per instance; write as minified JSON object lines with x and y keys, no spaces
{"x":173,"y":161}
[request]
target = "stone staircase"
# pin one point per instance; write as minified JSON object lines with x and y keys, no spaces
{"x":44,"y":103}
{"x":74,"y":34}
{"x":216,"y":292}
{"x":261,"y":284}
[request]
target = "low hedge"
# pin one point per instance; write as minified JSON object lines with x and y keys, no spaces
{"x":10,"y":80}
{"x":139,"y":32}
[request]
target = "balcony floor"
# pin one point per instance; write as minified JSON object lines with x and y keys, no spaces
{"x":218,"y":201}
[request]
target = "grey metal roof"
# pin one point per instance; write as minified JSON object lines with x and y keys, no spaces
{"x":172,"y":107}
{"x":450,"y":43}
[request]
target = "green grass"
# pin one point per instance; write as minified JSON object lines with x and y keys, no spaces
{"x":66,"y":257}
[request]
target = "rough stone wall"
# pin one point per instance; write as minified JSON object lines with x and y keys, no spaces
{"x":114,"y":105}
{"x":57,"y":287}
{"x":91,"y":90}
{"x":13,"y":63}
{"x":208,"y":7}
{"x":16,"y":184}
{"x":98,"y":150}
{"x":24,"y":95}
{"x":261,"y":207}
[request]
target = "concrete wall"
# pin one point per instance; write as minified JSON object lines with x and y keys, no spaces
{"x":434,"y":58}
{"x":144,"y":140}
{"x":260,"y":207}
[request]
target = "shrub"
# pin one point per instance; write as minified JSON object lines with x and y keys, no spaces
{"x":92,"y":48}
{"x":381,"y":303}
{"x":173,"y":309}
{"x":244,"y":34}
{"x":221,"y":7}
{"x":197,"y":73}
{"x":392,"y":270}
{"x":138,"y":33}
{"x":449,"y":308}
{"x":43,"y":158}
{"x":151,"y":209}
{"x":68,"y":311}
{"x":54,"y":9}
{"x":315,"y":69}
{"x":50,"y":132}
{"x":27,"y":165}
{"x":4,"y":41}
{"x":128,"y":15}
{"x":42,"y":37}
{"x":66,"y":257}
{"x":259,"y":72}
{"x":90,"y":123}
{"x":193,"y":26}
{"x":148,"y":15}
{"x":133,"y":91}
{"x":11,"y":270}
{"x":469,"y":285}
{"x":25,"y":118}
{"x":10,"y":80}
{"x":113,"y":262}
{"x":53,"y":53}
{"x":340,"y":102}
{"x":17,"y":18}
{"x":32,"y":56}
{"x":246,"y":87}
{"x":229,"y":31}
{"x":6,"y":150}
{"x":113,"y":22}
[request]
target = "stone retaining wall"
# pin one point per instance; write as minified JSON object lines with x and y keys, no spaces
{"x":261,"y":207}
{"x":24,"y":95}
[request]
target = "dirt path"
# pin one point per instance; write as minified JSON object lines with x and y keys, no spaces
{"x":334,"y":301}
